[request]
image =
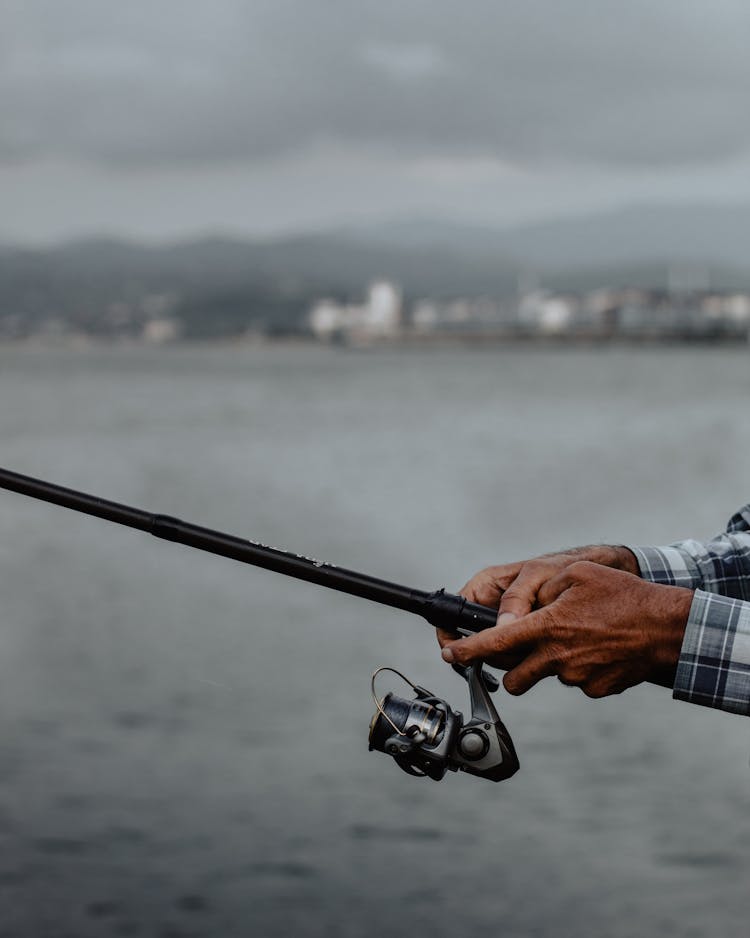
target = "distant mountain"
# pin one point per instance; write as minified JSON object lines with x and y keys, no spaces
{"x":325,"y":262}
{"x":271,"y":284}
{"x":642,"y":235}
{"x":221,"y":286}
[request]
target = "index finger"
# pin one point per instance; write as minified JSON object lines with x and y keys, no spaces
{"x":501,"y":640}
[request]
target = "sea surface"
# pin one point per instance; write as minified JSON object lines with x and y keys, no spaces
{"x":183,"y":739}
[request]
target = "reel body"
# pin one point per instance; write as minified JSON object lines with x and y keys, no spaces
{"x":426,"y":738}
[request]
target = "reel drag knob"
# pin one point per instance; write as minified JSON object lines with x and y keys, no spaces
{"x":473,"y":745}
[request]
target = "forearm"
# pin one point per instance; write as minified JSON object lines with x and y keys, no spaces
{"x":714,"y":664}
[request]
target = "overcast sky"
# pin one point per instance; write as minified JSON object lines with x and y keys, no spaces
{"x":170,"y":117}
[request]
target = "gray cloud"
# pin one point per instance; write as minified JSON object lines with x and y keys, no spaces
{"x":531,"y":81}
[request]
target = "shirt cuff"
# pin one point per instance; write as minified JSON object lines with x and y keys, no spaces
{"x":668,"y":565}
{"x":714,"y":665}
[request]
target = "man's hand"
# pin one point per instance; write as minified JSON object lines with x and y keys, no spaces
{"x":513,"y":588}
{"x":600,"y":629}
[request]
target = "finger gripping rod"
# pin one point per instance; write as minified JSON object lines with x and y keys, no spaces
{"x":441,"y":609}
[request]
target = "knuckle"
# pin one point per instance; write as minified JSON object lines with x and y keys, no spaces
{"x":469,"y":588}
{"x":546,"y":595}
{"x":475,"y":581}
{"x":514,"y":593}
{"x":570,"y":675}
{"x":504,"y":571}
{"x":487,"y":597}
{"x":485,"y":587}
{"x":496,"y":643}
{"x":536,"y":565}
{"x":460,"y":653}
{"x":583,"y":568}
{"x":556,"y":656}
{"x":555,"y":630}
{"x":594,"y":689}
{"x":465,"y":652}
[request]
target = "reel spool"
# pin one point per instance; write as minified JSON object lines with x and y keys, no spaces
{"x":426,"y":738}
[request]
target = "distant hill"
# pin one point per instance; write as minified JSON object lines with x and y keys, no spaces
{"x":430,"y":254}
{"x":638,"y":235}
{"x":222,"y":286}
{"x":326,"y":259}
{"x":229,"y":284}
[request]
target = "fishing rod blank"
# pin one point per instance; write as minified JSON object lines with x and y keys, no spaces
{"x":444,"y":610}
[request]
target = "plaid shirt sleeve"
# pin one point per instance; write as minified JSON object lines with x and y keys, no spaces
{"x":714,"y":665}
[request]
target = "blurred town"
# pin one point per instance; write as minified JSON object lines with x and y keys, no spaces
{"x":410,"y":284}
{"x":383,"y":315}
{"x":602,"y":314}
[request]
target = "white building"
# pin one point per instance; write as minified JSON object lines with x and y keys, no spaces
{"x":545,"y":312}
{"x":381,"y":314}
{"x":327,"y":318}
{"x":379,"y":317}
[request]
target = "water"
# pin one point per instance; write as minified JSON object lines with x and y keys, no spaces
{"x":183,"y":739}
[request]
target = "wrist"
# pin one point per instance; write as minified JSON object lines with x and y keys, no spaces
{"x":626,"y":560}
{"x":616,"y":556}
{"x":672,"y":608}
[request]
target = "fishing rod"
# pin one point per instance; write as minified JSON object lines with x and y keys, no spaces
{"x":481,"y":746}
{"x":441,"y":609}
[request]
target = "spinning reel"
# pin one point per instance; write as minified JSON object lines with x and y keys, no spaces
{"x":426,"y":738}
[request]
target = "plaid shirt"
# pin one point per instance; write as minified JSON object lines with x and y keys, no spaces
{"x":714,"y":665}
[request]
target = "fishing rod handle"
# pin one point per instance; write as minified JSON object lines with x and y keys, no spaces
{"x":452,"y":612}
{"x":476,"y":618}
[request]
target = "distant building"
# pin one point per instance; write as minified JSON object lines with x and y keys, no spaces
{"x":425,"y":316}
{"x":632,"y":313}
{"x":161,"y":331}
{"x":470,"y":317}
{"x":327,"y":319}
{"x":382,"y":310}
{"x":379,"y":317}
{"x":546,"y":312}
